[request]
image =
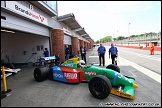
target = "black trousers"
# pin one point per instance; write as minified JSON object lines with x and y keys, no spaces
{"x":103,"y":59}
{"x":83,"y":56}
{"x":113,"y":58}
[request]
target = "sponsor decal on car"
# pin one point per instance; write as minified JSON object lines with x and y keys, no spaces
{"x":66,"y":64}
{"x":70,"y":75}
{"x":90,"y":73}
{"x":58,"y":75}
{"x":70,"y":61}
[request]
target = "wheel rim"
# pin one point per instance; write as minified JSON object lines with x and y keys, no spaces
{"x":36,"y":75}
{"x":98,"y":88}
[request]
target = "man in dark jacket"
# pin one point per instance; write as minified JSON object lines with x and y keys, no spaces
{"x":67,"y":52}
{"x":83,"y":53}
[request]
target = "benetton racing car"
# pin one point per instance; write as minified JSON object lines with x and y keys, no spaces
{"x":101,"y":81}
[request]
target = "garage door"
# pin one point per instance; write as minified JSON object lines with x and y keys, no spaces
{"x":67,"y":39}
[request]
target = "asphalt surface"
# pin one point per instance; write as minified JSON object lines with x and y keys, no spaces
{"x":26,"y":92}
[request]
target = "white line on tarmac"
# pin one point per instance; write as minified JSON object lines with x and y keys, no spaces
{"x":125,"y":62}
{"x":142,"y":55}
{"x":147,"y":72}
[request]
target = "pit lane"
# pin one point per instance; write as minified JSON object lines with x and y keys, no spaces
{"x":26,"y":92}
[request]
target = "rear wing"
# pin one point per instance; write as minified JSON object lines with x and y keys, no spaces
{"x":50,"y":58}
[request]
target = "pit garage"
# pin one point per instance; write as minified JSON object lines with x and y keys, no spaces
{"x":20,"y":47}
{"x":23,"y":36}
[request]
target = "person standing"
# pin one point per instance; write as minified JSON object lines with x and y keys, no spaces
{"x":83,"y":53}
{"x":67,"y":52}
{"x":46,"y":52}
{"x":113,"y":51}
{"x":151,"y":48}
{"x":101,"y":52}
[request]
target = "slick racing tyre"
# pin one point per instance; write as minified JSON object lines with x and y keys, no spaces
{"x":113,"y":67}
{"x":100,"y":87}
{"x":41,"y":73}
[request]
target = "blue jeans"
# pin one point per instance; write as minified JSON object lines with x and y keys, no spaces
{"x":67,"y":56}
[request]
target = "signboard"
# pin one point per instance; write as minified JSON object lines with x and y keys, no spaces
{"x":28,"y":12}
{"x":66,"y":31}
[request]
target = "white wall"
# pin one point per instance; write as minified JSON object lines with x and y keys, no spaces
{"x":15,"y":44}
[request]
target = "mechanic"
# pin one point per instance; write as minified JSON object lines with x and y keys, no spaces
{"x":82,"y":63}
{"x":114,"y":52}
{"x":101,"y":52}
{"x":46,"y":52}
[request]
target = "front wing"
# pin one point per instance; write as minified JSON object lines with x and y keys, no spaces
{"x":124,"y":91}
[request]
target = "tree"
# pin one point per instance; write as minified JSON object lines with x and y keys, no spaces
{"x":114,"y":39}
{"x":120,"y":37}
{"x":104,"y":40}
{"x":97,"y":42}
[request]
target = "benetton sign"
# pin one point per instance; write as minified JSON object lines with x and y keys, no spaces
{"x":26,"y":11}
{"x":66,"y":31}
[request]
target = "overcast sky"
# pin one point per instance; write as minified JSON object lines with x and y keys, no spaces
{"x":112,"y":18}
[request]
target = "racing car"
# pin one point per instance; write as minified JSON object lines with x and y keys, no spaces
{"x":101,"y":81}
{"x":9,"y":71}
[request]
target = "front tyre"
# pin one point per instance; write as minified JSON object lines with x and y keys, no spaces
{"x":100,"y":86}
{"x":41,"y":73}
{"x":113,"y":67}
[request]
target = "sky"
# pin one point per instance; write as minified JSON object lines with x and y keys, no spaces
{"x":114,"y":18}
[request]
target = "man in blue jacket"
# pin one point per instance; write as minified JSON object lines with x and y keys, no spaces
{"x":46,"y":52}
{"x":114,"y":52}
{"x":101,"y":52}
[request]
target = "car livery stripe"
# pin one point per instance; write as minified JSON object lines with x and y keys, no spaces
{"x":58,"y":74}
{"x":115,"y":77}
{"x":71,"y":75}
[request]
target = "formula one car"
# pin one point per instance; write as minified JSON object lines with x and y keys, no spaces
{"x":9,"y":71}
{"x":101,"y":81}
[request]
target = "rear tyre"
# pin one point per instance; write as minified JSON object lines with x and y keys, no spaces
{"x":113,"y":67}
{"x":100,"y":86}
{"x":41,"y":73}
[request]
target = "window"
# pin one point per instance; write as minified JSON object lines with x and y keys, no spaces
{"x":40,"y":48}
{"x":52,"y":4}
{"x":45,"y":1}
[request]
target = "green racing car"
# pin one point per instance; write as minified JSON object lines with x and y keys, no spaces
{"x":101,"y":81}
